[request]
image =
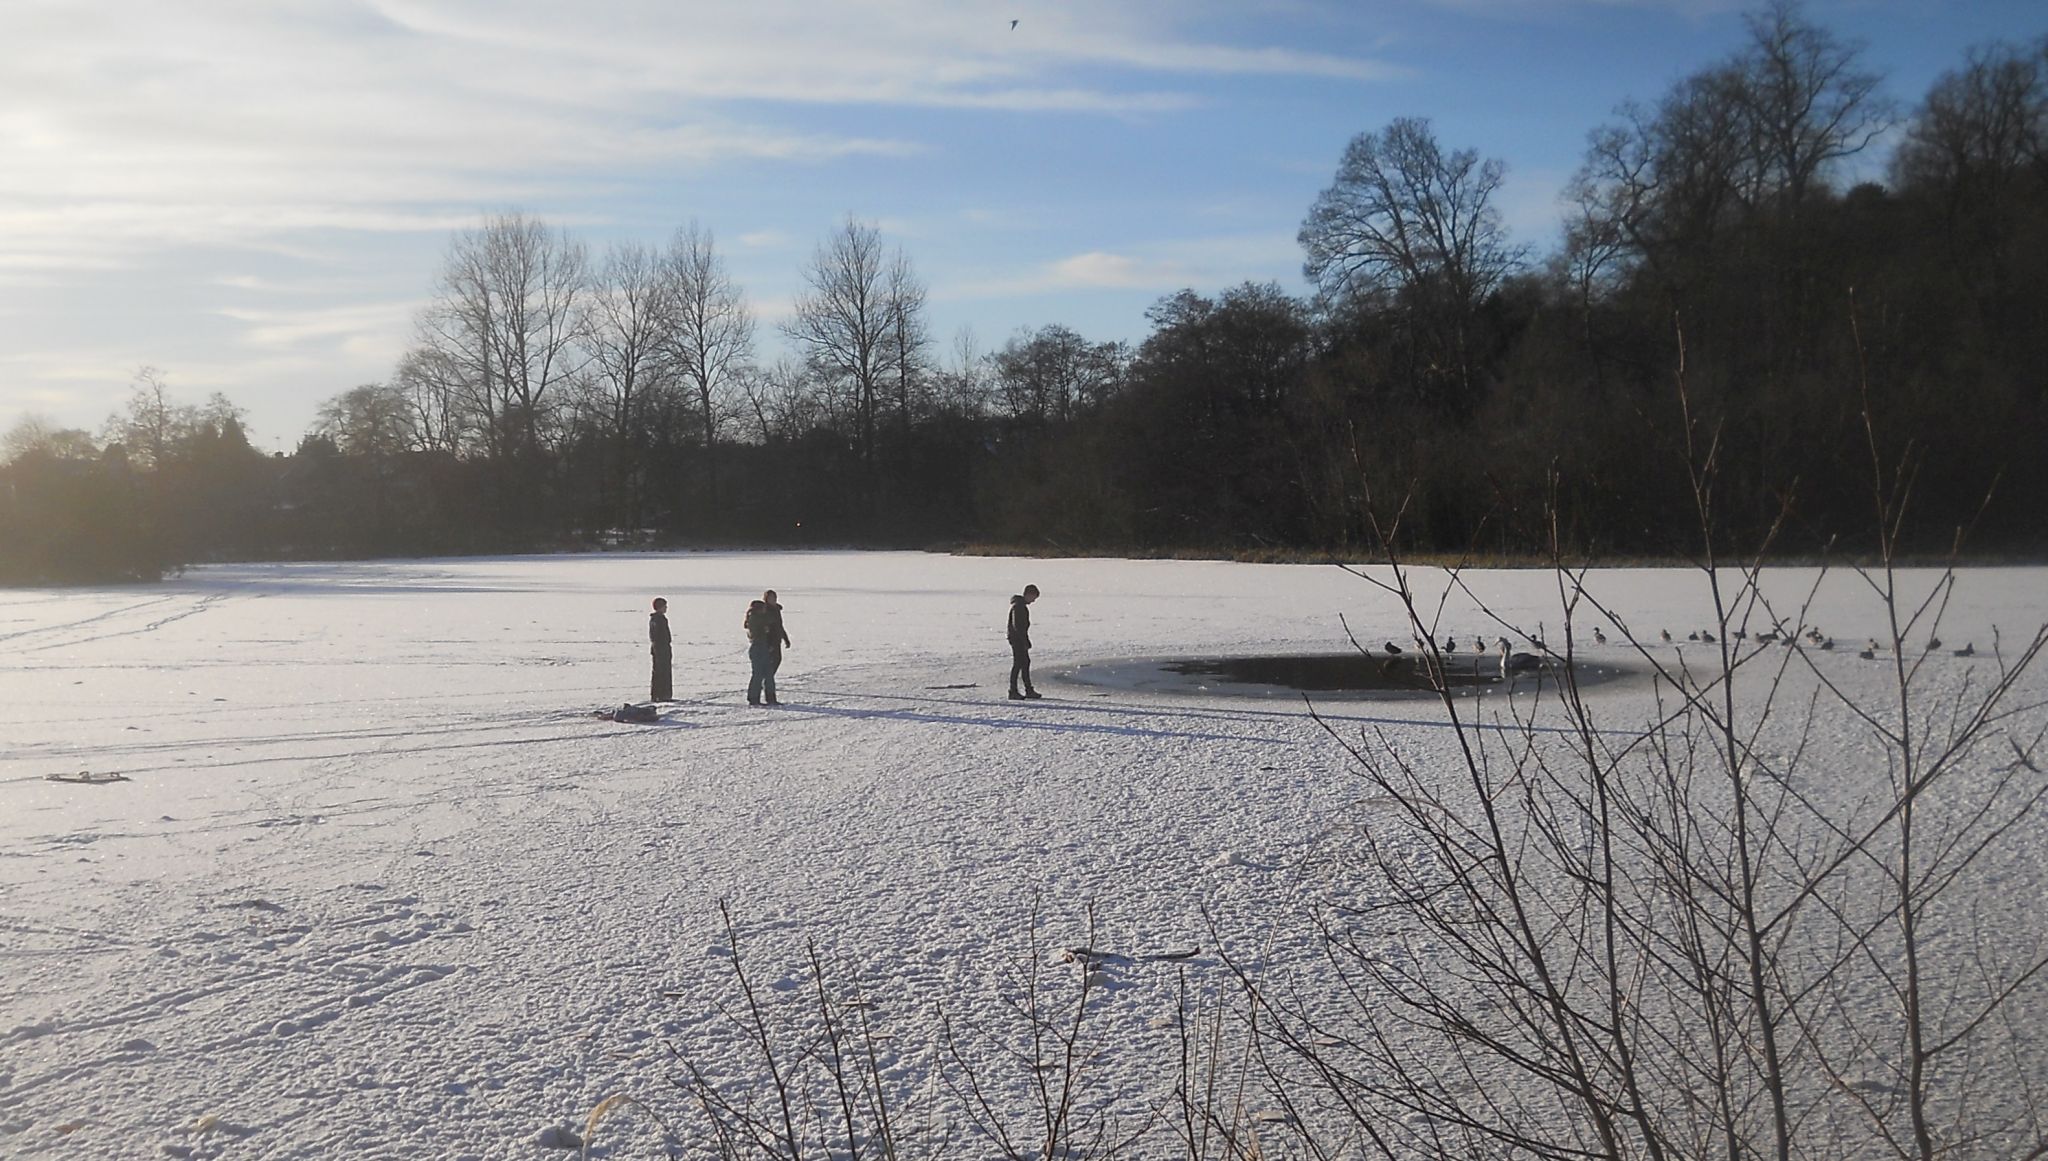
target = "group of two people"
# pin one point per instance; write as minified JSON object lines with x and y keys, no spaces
{"x":766,"y":637}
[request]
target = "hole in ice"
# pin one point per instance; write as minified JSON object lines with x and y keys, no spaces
{"x":1346,"y":674}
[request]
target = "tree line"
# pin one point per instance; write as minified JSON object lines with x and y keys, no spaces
{"x":1723,"y":293}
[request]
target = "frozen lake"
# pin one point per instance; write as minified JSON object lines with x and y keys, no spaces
{"x":373,"y":881}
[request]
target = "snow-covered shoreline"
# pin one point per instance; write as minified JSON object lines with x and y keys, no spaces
{"x":376,"y":883}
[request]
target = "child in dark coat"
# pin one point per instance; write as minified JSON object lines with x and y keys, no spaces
{"x":662,"y":687}
{"x":1020,"y":642}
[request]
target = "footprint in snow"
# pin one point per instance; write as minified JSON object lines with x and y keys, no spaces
{"x":30,"y":1031}
{"x":1233,"y":859}
{"x":558,"y":1137}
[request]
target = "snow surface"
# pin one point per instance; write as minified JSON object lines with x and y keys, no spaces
{"x":374,"y":882}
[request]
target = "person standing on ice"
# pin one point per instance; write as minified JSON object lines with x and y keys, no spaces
{"x":1020,"y":642}
{"x":663,"y":684}
{"x":765,"y":639}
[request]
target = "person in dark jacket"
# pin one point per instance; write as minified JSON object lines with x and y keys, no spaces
{"x":1020,"y":642}
{"x":663,"y":685}
{"x":765,"y":639}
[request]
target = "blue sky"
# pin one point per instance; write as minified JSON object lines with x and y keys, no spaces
{"x":254,"y":197}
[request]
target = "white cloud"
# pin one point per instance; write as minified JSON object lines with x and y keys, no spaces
{"x":138,"y":125}
{"x":40,"y":400}
{"x":1099,"y":270}
{"x":1206,"y":264}
{"x":1528,"y":9}
{"x":358,"y":327}
{"x":72,"y":388}
{"x":766,"y":240}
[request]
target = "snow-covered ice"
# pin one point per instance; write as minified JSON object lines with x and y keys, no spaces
{"x":355,"y":872}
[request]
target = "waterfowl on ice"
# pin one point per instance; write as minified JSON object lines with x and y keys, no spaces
{"x":1512,"y":662}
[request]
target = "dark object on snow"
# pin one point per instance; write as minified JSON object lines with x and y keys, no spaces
{"x":87,"y":777}
{"x":631,"y":712}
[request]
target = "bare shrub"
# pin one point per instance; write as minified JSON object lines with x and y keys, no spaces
{"x":821,"y":1075}
{"x":1764,"y":925}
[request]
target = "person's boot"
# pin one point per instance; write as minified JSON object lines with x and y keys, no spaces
{"x":1015,"y":696}
{"x":1033,"y":694}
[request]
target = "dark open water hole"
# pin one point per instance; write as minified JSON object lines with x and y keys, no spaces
{"x":1332,"y":674}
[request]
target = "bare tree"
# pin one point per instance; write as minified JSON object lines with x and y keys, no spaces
{"x":909,"y":336}
{"x":1402,"y":213}
{"x":504,"y":320}
{"x":374,"y":420}
{"x":432,"y":383}
{"x":781,"y":401}
{"x":153,"y":426}
{"x":34,"y":434}
{"x":1053,"y":374}
{"x":1807,"y":103}
{"x":855,"y":325}
{"x":1757,"y":132}
{"x":1407,"y":225}
{"x":1662,"y":186}
{"x":710,"y":338}
{"x":1981,"y":126}
{"x":627,"y":322}
{"x":961,"y":386}
{"x":1977,"y":141}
